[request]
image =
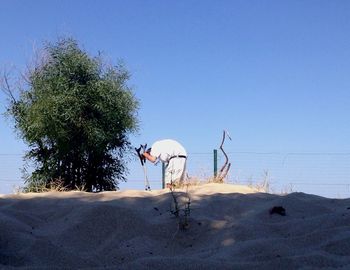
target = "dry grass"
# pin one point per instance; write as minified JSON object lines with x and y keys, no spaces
{"x":55,"y":186}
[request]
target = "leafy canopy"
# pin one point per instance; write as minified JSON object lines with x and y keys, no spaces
{"x":76,"y":115}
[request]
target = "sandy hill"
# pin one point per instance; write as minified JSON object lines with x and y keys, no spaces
{"x":230,"y":227}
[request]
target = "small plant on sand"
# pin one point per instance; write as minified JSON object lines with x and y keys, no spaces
{"x":288,"y":189}
{"x":213,"y":179}
{"x":55,"y":186}
{"x":17,"y":189}
{"x":264,"y":186}
{"x":181,"y":212}
{"x":81,"y":188}
{"x":193,"y":181}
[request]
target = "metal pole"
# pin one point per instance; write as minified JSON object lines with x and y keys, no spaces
{"x":163,"y":175}
{"x":215,"y":163}
{"x":147,"y":186}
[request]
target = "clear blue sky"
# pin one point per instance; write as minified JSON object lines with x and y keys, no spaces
{"x":275,"y":74}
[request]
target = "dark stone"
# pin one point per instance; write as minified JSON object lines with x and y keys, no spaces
{"x":278,"y":210}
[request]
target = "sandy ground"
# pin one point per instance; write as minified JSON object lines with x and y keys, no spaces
{"x":230,"y":227}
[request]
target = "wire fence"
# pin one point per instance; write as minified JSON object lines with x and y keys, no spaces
{"x":324,"y":174}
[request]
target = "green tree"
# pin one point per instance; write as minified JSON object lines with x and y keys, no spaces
{"x":76,"y":114}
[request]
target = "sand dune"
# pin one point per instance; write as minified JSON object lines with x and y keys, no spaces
{"x":230,"y":227}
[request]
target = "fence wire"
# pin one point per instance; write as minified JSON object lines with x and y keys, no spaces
{"x":324,"y":174}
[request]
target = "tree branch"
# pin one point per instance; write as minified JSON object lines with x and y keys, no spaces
{"x":226,"y":167}
{"x":5,"y":86}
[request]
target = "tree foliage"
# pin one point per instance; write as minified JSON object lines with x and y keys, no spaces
{"x":76,"y":115}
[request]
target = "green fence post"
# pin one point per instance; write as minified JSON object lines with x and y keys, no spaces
{"x":163,"y":175}
{"x":215,"y":163}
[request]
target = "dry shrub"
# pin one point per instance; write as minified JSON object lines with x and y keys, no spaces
{"x":181,"y":208}
{"x":56,"y":186}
